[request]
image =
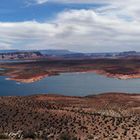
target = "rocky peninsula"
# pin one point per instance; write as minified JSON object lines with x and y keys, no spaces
{"x":28,"y":72}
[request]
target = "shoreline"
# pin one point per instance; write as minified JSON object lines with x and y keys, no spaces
{"x":72,"y":96}
{"x":28,"y":81}
{"x":99,"y":72}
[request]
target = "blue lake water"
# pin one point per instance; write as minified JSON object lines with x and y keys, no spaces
{"x":77,"y":84}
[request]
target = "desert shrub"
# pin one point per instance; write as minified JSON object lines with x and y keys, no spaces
{"x":66,"y":136}
{"x":74,"y":138}
{"x":90,"y":137}
{"x":29,"y":134}
{"x":3,"y":136}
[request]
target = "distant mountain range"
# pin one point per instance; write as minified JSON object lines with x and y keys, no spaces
{"x":56,"y":52}
{"x":33,"y":54}
{"x":8,"y":51}
{"x":43,"y":52}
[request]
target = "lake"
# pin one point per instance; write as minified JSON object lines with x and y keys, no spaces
{"x":77,"y":84}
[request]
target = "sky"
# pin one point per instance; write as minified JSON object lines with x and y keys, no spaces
{"x":76,"y":25}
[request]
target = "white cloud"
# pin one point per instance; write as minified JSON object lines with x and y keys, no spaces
{"x":41,"y":1}
{"x":112,"y":27}
{"x":129,"y":7}
{"x":64,"y":1}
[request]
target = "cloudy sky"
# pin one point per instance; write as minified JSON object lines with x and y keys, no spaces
{"x":78,"y":25}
